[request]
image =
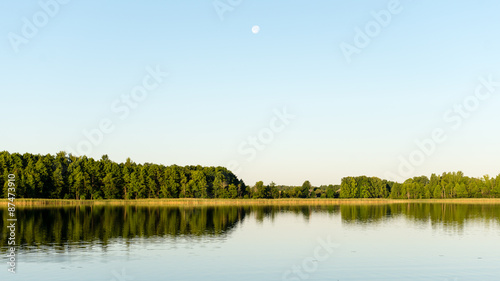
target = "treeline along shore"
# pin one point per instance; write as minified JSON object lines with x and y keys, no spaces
{"x":69,"y":177}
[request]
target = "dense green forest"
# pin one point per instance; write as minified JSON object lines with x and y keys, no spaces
{"x":447,"y":185}
{"x":64,"y":176}
{"x":69,"y":177}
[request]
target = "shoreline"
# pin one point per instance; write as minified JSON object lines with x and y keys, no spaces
{"x":241,"y":202}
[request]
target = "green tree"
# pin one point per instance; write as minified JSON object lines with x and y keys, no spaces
{"x":349,"y":188}
{"x":261,"y":191}
{"x":305,"y":189}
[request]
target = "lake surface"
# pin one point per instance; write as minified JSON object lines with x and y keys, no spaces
{"x":347,"y":242}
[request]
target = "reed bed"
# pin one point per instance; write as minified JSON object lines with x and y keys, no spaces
{"x":241,"y":202}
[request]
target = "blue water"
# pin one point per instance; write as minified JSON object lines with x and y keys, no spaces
{"x":339,"y":244}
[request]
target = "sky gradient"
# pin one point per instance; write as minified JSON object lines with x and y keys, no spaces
{"x":351,"y":116}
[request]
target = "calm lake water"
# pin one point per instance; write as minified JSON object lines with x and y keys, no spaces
{"x":348,"y":242}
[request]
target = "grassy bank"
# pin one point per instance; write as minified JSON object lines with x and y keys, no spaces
{"x":239,"y":202}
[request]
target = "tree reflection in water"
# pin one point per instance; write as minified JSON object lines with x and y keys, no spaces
{"x":59,"y":226}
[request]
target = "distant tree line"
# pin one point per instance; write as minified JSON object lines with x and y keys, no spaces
{"x":64,"y":176}
{"x":261,"y":191}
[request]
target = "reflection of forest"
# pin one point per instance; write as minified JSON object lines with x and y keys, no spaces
{"x":438,"y":214}
{"x":56,"y":226}
{"x":59,"y":226}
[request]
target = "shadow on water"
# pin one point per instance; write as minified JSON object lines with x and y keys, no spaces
{"x":58,"y":226}
{"x":449,"y":216}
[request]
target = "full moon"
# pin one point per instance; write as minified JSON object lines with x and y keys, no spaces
{"x":255,"y":29}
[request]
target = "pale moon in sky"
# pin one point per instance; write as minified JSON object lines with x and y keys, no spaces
{"x":255,"y":29}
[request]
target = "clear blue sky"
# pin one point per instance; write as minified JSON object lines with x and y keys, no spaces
{"x":225,"y":82}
